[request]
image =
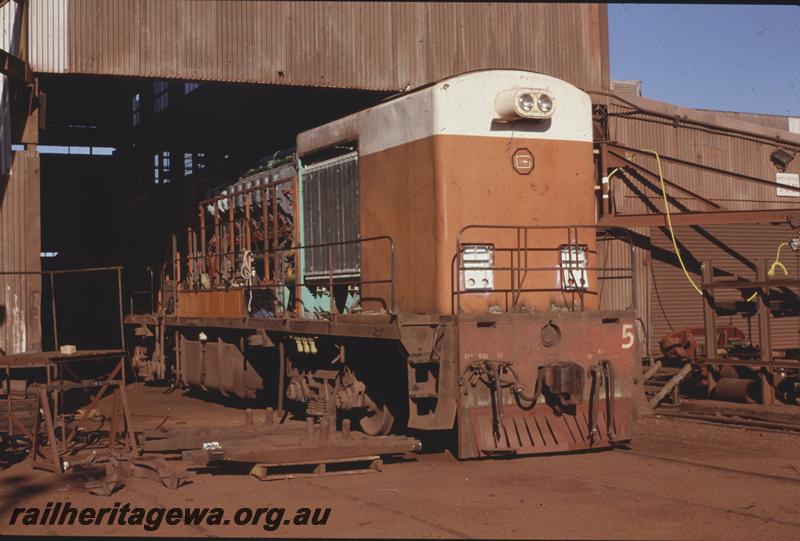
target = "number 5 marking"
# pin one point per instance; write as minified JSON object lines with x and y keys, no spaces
{"x":628,"y":337}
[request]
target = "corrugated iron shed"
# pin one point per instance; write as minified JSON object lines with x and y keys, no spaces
{"x":667,"y":301}
{"x":20,"y":295}
{"x":365,"y":45}
{"x":724,"y":151}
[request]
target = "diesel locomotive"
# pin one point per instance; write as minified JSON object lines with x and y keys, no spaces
{"x":427,"y":264}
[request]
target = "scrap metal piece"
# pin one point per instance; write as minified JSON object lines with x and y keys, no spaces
{"x":101,"y":480}
{"x":160,"y":470}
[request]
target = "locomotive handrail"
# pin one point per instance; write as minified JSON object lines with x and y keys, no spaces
{"x":521,"y":271}
{"x":244,"y":191}
{"x":330,"y":275}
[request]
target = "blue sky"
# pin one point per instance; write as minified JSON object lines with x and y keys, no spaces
{"x":727,"y":57}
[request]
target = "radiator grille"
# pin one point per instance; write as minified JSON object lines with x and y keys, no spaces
{"x":331,"y":214}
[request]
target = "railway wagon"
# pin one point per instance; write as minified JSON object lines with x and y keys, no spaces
{"x":427,"y":264}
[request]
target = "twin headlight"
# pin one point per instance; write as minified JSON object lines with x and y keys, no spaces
{"x":518,"y":103}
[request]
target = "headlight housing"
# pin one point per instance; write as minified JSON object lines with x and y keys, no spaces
{"x":516,"y":103}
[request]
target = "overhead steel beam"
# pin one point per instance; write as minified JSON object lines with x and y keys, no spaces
{"x":703,"y":218}
{"x":15,"y":67}
{"x":694,"y":195}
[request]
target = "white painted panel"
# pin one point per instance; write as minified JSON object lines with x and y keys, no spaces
{"x":788,"y":179}
{"x":10,"y":27}
{"x":47,"y":24}
{"x":794,"y":124}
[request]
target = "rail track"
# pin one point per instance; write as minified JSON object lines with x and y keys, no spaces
{"x":753,"y":421}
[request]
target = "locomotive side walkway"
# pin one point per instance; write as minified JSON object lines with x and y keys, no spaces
{"x":681,"y":480}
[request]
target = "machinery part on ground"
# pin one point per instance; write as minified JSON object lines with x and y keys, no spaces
{"x":737,"y":390}
{"x":729,"y":381}
{"x":680,"y":345}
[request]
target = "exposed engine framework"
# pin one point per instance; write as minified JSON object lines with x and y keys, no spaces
{"x":426,"y":264}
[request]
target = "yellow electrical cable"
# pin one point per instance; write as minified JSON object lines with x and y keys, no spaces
{"x":669,"y":221}
{"x":775,"y":264}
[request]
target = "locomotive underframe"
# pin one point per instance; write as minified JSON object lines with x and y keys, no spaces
{"x":357,"y":365}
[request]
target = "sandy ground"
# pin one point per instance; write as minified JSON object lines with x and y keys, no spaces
{"x":680,"y":480}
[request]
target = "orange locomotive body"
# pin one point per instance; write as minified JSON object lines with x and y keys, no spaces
{"x":426,"y":264}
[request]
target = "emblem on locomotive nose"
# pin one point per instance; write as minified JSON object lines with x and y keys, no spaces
{"x":522,"y":161}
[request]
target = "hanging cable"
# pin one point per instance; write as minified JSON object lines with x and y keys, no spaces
{"x":669,"y":221}
{"x":775,"y":265}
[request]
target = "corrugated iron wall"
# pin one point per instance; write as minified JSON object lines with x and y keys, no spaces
{"x":20,"y":246}
{"x":368,"y":45}
{"x":704,"y":146}
{"x":47,"y":41}
{"x":773,"y":121}
{"x":732,"y":249}
{"x":20,"y":329}
{"x":10,"y":27}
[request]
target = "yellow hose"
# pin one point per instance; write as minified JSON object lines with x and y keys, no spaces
{"x":669,"y":221}
{"x":775,"y":264}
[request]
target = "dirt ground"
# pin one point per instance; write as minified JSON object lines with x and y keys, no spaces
{"x":680,"y":480}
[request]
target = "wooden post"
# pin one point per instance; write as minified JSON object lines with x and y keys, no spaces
{"x":672,"y":383}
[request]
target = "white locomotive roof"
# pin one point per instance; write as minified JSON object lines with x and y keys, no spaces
{"x":459,"y":105}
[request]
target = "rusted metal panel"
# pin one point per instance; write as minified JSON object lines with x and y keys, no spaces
{"x":370,"y":45}
{"x":214,"y":303}
{"x":20,"y":245}
{"x":733,"y":250}
{"x":47,"y":31}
